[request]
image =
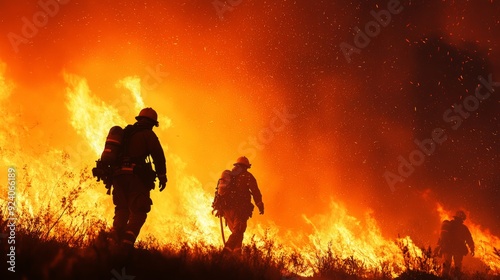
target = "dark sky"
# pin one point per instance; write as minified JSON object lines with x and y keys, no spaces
{"x":354,"y":119}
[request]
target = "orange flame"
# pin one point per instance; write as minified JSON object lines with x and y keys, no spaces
{"x":484,"y":241}
{"x":182,"y":213}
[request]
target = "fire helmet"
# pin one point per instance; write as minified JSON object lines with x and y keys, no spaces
{"x":460,"y":215}
{"x":148,"y":113}
{"x":243,"y":161}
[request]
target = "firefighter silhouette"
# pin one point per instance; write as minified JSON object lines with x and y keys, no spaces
{"x":236,"y":189}
{"x":453,"y":242}
{"x":135,"y":178}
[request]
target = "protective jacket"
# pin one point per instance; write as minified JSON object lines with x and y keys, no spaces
{"x":454,"y":238}
{"x":142,"y":143}
{"x":131,"y":194}
{"x":241,"y":192}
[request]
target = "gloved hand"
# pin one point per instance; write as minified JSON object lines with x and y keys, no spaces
{"x":163,"y":181}
{"x":261,"y":208}
{"x":218,"y":213}
{"x":472,"y":253}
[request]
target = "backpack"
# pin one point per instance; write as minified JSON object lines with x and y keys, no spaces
{"x":227,"y":196}
{"x":222,"y":193}
{"x":112,"y":155}
{"x":224,"y":183}
{"x":445,"y":235}
{"x":113,"y":146}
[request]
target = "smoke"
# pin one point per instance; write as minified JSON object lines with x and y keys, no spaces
{"x":220,"y":82}
{"x":357,"y":118}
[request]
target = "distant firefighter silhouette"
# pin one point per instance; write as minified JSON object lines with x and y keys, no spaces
{"x":235,"y":190}
{"x":453,"y":242}
{"x":134,"y":177}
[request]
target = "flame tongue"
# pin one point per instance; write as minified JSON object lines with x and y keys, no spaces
{"x":182,"y":214}
{"x":484,"y":241}
{"x":90,"y":117}
{"x":133,"y":84}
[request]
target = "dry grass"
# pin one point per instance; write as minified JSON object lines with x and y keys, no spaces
{"x":80,"y":250}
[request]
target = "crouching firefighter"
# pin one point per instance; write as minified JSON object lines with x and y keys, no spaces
{"x":232,"y":201}
{"x":134,"y":177}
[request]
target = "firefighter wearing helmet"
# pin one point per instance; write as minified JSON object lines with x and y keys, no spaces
{"x":148,"y":114}
{"x":238,"y":207}
{"x":453,"y":242}
{"x":135,"y":178}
